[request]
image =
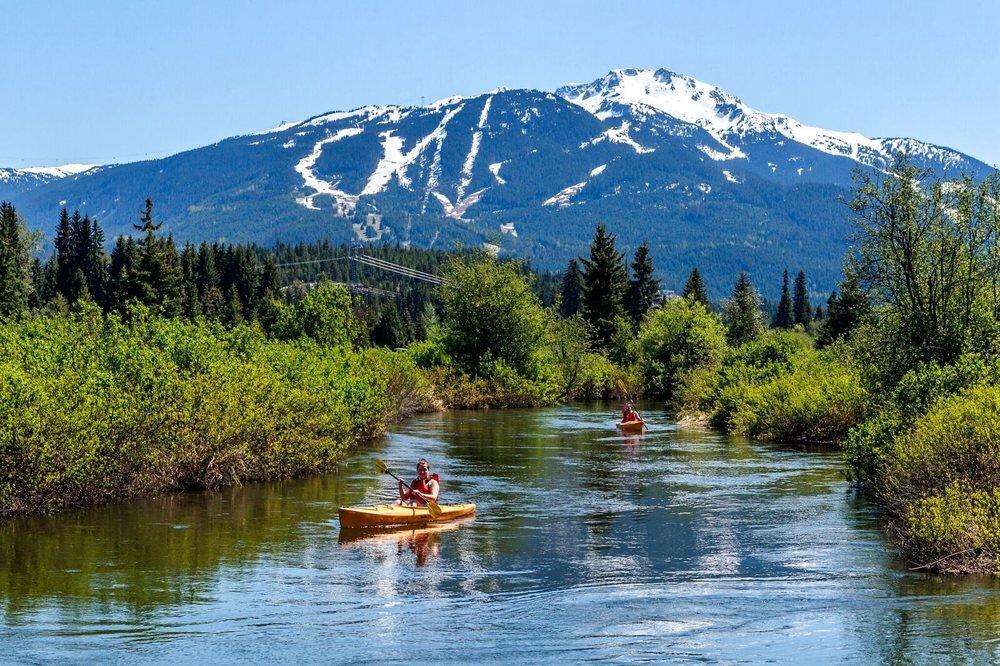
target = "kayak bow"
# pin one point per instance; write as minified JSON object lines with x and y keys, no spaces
{"x":631,"y":426}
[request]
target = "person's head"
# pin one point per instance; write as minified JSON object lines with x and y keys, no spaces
{"x":423,"y":468}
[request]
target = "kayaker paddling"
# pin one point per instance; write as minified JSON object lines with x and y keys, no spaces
{"x":629,"y":414}
{"x":425,"y":487}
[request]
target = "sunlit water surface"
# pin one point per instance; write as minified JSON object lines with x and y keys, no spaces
{"x":680,"y":544}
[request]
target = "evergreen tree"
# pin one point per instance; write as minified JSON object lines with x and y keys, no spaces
{"x":15,"y":264}
{"x":208,"y":275}
{"x":233,"y":310}
{"x":783,"y":318}
{"x":121,"y":267}
{"x":268,"y":286}
{"x":742,"y":312}
{"x":801,"y":309}
{"x":604,"y":284}
{"x":189,"y":269}
{"x":389,"y":331}
{"x":844,"y":312}
{"x":156,"y":278}
{"x":643,"y":288}
{"x":65,"y":255}
{"x":694,"y":288}
{"x":570,"y":290}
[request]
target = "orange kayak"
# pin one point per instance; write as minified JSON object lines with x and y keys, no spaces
{"x":385,"y":515}
{"x":631,"y":426}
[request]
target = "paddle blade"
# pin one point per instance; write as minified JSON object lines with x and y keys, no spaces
{"x":622,"y":387}
{"x":381,"y":466}
{"x":434,"y":509}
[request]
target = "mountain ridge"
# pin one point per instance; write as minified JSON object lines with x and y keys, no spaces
{"x":713,"y":180}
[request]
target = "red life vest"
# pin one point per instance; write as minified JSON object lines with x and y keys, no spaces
{"x":422,"y":486}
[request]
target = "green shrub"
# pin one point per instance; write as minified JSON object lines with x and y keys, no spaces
{"x":941,"y":477}
{"x":678,"y":338}
{"x":778,"y":388}
{"x":93,"y":408}
{"x":819,"y":400}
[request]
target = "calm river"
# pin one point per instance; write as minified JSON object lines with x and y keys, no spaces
{"x":679,"y":545}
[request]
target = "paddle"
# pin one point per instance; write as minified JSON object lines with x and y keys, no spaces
{"x":432,"y":507}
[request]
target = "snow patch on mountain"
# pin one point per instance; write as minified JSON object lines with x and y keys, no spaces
{"x":470,"y":159}
{"x":344,"y":203}
{"x":395,"y":162}
{"x":597,"y":171}
{"x":619,"y":135}
{"x":563,"y":196}
{"x":495,"y":170}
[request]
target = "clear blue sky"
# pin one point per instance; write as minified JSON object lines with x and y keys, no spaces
{"x":110,"y":81}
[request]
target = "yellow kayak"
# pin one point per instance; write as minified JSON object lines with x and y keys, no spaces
{"x":631,"y":426}
{"x":384,"y":515}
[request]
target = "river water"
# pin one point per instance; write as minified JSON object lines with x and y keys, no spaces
{"x":681,"y":544}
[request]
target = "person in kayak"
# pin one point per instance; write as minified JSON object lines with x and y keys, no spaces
{"x":425,"y":487}
{"x":629,"y":414}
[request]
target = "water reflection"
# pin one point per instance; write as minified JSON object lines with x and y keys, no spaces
{"x":675,"y":544}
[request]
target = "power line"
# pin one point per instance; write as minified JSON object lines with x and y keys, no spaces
{"x":312,"y":261}
{"x":396,"y":268}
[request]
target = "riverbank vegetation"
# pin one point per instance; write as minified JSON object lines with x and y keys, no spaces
{"x":156,"y":368}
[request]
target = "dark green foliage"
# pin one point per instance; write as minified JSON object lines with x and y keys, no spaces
{"x":742,"y":313}
{"x":15,"y":266}
{"x":844,"y":311}
{"x":677,"y":339}
{"x":643,"y":288}
{"x":492,"y":320}
{"x":783,"y":318}
{"x":153,"y":277}
{"x":801,"y":310}
{"x":390,"y":330}
{"x":694,"y":288}
{"x":604,"y":283}
{"x":571,"y":290}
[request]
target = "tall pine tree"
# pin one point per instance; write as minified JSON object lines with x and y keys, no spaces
{"x":801,"y":309}
{"x":15,"y":264}
{"x":783,"y":317}
{"x":694,"y":288}
{"x":156,"y":278}
{"x":743,"y":315}
{"x":844,"y":311}
{"x":570,"y":290}
{"x":643,"y":288}
{"x":604,"y":284}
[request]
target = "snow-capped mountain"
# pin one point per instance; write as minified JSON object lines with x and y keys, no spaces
{"x":736,"y":128}
{"x":704,"y":177}
{"x":26,"y":178}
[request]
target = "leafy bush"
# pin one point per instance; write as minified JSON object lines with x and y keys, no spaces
{"x":942,"y":478}
{"x":93,"y":408}
{"x":491,"y":316}
{"x":779,"y":388}
{"x":676,"y":339}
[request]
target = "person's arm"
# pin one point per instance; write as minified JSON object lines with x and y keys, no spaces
{"x":402,"y":493}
